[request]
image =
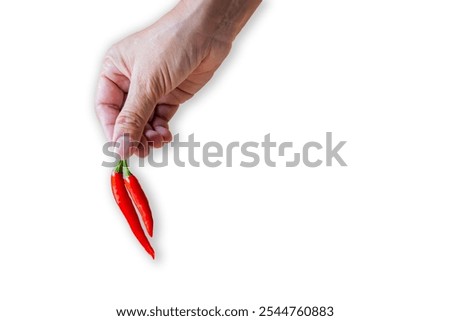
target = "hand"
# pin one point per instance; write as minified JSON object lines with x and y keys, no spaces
{"x":147,"y":75}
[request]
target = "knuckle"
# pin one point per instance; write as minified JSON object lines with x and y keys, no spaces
{"x":114,"y":61}
{"x":110,"y":55}
{"x":112,"y":51}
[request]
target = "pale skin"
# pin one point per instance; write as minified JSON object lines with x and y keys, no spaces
{"x":146,"y":76}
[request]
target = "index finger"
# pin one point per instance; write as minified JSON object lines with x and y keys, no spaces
{"x":111,"y":93}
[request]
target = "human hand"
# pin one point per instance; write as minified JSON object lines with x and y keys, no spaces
{"x":146,"y":76}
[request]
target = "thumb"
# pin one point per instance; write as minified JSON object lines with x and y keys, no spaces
{"x":133,"y":117}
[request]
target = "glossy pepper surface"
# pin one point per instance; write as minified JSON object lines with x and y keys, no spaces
{"x":125,"y":204}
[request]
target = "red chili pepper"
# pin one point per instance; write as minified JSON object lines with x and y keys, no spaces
{"x":126,"y":206}
{"x":140,"y":200}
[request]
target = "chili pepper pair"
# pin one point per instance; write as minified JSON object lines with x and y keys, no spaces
{"x":124,"y":184}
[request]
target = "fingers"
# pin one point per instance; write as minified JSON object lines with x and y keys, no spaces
{"x":157,"y":132}
{"x":108,"y":103}
{"x":133,"y":117}
{"x":153,"y":137}
{"x":144,"y":125}
{"x":143,"y":148}
{"x":157,"y":137}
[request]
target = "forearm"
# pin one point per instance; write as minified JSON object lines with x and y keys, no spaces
{"x":222,"y":19}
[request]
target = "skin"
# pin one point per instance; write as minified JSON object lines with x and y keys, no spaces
{"x":146,"y":76}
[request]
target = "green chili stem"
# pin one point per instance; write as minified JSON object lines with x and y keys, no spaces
{"x":119,"y":167}
{"x":126,"y":170}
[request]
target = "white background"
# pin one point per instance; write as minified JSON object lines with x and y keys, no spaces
{"x":371,"y":239}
